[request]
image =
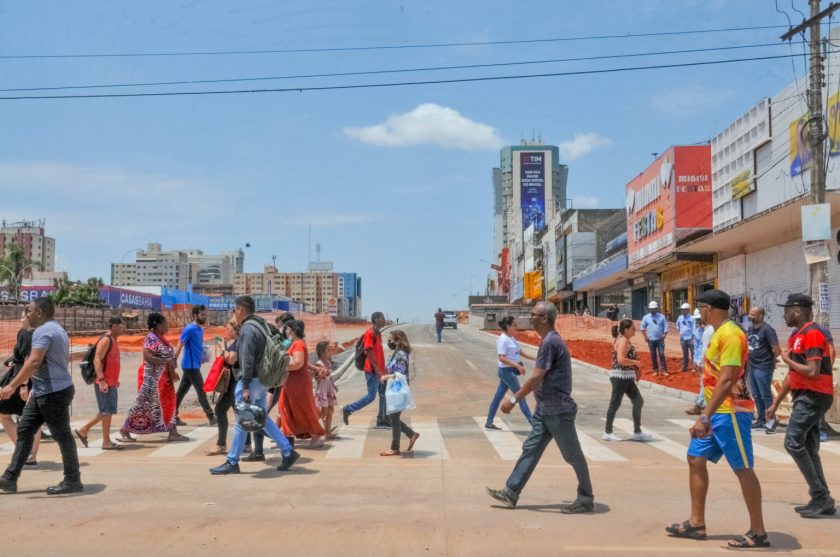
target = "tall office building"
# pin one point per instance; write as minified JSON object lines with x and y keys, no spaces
{"x":37,"y":247}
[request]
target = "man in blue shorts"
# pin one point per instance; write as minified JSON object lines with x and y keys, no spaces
{"x":723,"y":428}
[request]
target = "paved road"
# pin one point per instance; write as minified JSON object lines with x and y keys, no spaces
{"x":347,"y":500}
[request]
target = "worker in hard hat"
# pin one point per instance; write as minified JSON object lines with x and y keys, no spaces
{"x":685,"y":326}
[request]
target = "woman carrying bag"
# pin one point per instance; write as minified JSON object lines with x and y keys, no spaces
{"x":510,"y":366}
{"x":225,"y":388}
{"x":398,"y":364}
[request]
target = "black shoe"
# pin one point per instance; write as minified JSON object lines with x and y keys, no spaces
{"x":179,"y":421}
{"x":224,"y":469}
{"x":503,"y":497}
{"x":288,"y":461}
{"x":254,"y":457}
{"x":816,"y":509}
{"x":578,"y":508}
{"x":492,"y":427}
{"x":212,"y":419}
{"x":65,"y":487}
{"x":7,"y":485}
{"x":383,"y":424}
{"x":345,"y":415}
{"x":757,"y":425}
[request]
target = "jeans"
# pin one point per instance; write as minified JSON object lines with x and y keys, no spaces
{"x":381,"y":416}
{"x":760,"y":381}
{"x":54,"y":410}
{"x":561,"y":428}
{"x":688,"y":352}
{"x":257,"y":395}
{"x":192,"y":377}
{"x":259,"y":436}
{"x":372,"y":381}
{"x":802,"y":441}
{"x":507,"y":381}
{"x":657,"y":347}
{"x":621,"y":387}
{"x":223,"y":404}
{"x":397,"y":426}
{"x":439,"y":331}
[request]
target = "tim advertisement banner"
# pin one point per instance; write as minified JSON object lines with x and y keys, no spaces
{"x":532,"y":190}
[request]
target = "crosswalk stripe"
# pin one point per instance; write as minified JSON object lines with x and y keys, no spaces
{"x":507,"y":444}
{"x":830,"y":447}
{"x":661,"y":443}
{"x":350,"y":442}
{"x":430,"y":445}
{"x":182,"y":448}
{"x":472,"y":365}
{"x":595,"y":451}
{"x":777,"y":457}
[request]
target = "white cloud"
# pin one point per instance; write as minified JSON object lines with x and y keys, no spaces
{"x":585,"y":202}
{"x":429,"y":123}
{"x":690,"y":101}
{"x":581,"y":144}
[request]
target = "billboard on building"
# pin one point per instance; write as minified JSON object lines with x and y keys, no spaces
{"x":532,"y":189}
{"x":221,"y":303}
{"x":549,"y":263}
{"x":671,"y":199}
{"x":800,"y":148}
{"x":123,"y":298}
{"x":26,"y":293}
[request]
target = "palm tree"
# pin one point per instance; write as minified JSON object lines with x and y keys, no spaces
{"x":12,"y":268}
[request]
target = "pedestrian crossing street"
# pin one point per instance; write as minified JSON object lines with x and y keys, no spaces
{"x":470,"y":439}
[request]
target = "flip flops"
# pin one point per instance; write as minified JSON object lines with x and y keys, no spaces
{"x":82,"y":438}
{"x":113,"y":447}
{"x":686,"y":530}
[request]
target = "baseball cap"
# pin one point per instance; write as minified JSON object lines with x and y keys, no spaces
{"x":653,"y":305}
{"x":718,"y":299}
{"x":800,"y":300}
{"x":685,"y":306}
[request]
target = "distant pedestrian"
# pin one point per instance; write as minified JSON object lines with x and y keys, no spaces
{"x":325,"y":389}
{"x":13,"y":406}
{"x":106,"y":365}
{"x":811,"y":383}
{"x":586,"y":312}
{"x":625,"y":372}
{"x":764,"y":349}
{"x":655,"y":329}
{"x":298,"y":413}
{"x":723,"y":428}
{"x":612,"y":312}
{"x":52,"y":393}
{"x":192,"y":343}
{"x":685,"y":326}
{"x":398,"y":363}
{"x":702,"y":336}
{"x":374,"y":368}
{"x":251,"y":344}
{"x":551,"y":383}
{"x":509,"y":367}
{"x":225,"y":401}
{"x":439,"y":317}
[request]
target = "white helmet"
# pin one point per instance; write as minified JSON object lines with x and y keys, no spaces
{"x":696,"y":313}
{"x":685,"y":306}
{"x":653,"y":305}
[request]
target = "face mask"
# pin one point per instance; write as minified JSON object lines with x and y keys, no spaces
{"x":392,"y":345}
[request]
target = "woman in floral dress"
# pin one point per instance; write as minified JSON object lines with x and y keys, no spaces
{"x":154,"y":409}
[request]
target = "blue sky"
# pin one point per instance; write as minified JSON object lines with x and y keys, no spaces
{"x":394,"y":182}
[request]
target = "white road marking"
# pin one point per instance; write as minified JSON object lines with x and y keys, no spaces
{"x":182,"y":448}
{"x":662,"y":443}
{"x":830,"y":447}
{"x":596,"y":451}
{"x":430,"y":445}
{"x":350,"y":442}
{"x":472,"y":365}
{"x":777,"y":457}
{"x":507,"y":444}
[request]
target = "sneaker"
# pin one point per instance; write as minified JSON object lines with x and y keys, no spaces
{"x":345,"y":415}
{"x":383,"y":425}
{"x":179,"y":421}
{"x":65,"y":487}
{"x":694,"y":410}
{"x":288,"y":460}
{"x":770,"y":429}
{"x":492,"y":427}
{"x":7,"y":485}
{"x":254,"y":457}
{"x":578,"y":508}
{"x":642,"y":436}
{"x":610,"y":437}
{"x":502,"y":496}
{"x":757,"y":424}
{"x":818,"y":510}
{"x":225,"y":469}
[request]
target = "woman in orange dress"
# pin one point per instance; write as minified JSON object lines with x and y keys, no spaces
{"x":298,"y":413}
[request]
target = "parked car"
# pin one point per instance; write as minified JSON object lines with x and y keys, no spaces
{"x":450,"y":319}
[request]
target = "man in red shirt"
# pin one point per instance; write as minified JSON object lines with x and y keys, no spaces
{"x":374,"y":369}
{"x":810,"y":381}
{"x":106,"y":364}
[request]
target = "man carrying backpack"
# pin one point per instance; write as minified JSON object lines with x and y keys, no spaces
{"x":374,"y":368}
{"x":252,"y":340}
{"x":106,"y":365}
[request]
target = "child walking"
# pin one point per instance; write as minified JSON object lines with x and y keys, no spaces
{"x":325,"y":388}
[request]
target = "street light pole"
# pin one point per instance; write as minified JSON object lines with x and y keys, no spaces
{"x":16,"y":278}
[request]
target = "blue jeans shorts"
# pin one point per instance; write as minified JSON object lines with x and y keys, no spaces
{"x":107,"y":401}
{"x":731,"y":436}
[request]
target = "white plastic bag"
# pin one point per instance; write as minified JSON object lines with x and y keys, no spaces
{"x":398,"y":395}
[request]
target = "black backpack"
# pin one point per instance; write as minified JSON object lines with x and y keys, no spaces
{"x":360,"y":357}
{"x":86,"y":365}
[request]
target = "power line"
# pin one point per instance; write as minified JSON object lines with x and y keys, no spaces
{"x":391,"y":47}
{"x":396,"y":84}
{"x":390,"y":71}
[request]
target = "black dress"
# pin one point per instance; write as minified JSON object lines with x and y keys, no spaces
{"x":23,"y":345}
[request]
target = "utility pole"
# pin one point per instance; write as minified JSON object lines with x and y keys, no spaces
{"x":817,"y":135}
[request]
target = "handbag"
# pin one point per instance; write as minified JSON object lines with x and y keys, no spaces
{"x":215,"y":374}
{"x":224,"y":382}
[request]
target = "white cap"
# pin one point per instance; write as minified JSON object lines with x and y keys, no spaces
{"x":685,"y":306}
{"x":696,"y":313}
{"x":653,"y":305}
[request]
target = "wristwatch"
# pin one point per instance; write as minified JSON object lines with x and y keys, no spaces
{"x":512,"y":399}
{"x":703,"y":418}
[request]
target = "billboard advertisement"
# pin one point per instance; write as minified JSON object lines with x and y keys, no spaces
{"x":550,"y":263}
{"x":800,"y":149}
{"x":122,"y":298}
{"x":670,"y":199}
{"x":532,"y":190}
{"x":221,"y":303}
{"x":26,"y":293}
{"x":742,"y":184}
{"x":834,"y":125}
